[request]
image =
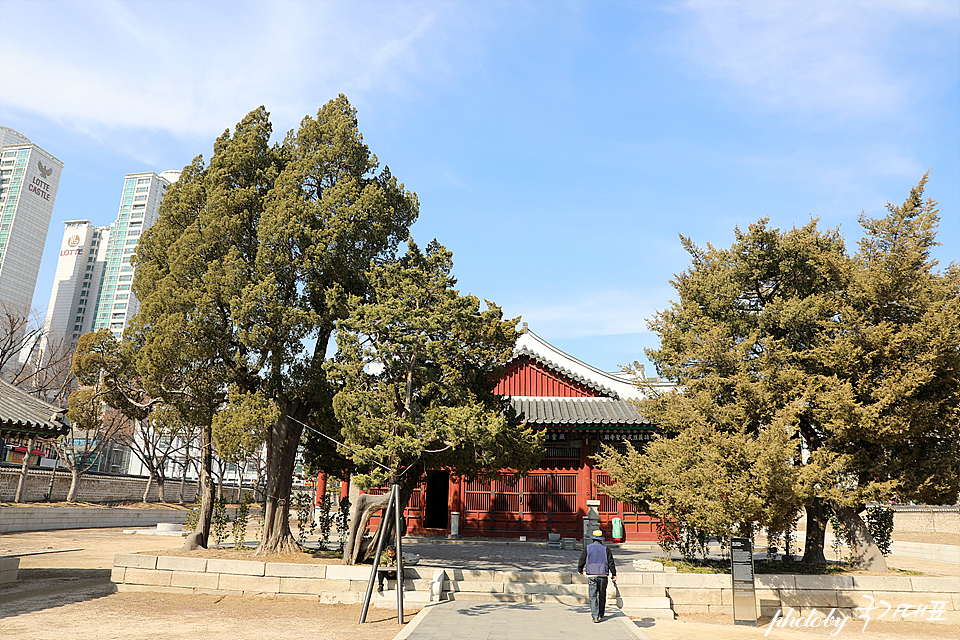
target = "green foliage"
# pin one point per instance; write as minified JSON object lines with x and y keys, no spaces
{"x":240,"y":520}
{"x":240,"y":426}
{"x":218,"y":526}
{"x":342,"y":522}
{"x":417,"y":365}
{"x":303,"y":502}
{"x":688,"y":541}
{"x":803,"y":373}
{"x":880,"y":523}
{"x":326,"y":518}
{"x":244,"y":275}
{"x":841,"y":535}
{"x":193,"y":517}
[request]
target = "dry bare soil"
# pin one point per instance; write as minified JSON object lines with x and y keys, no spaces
{"x":69,"y":595}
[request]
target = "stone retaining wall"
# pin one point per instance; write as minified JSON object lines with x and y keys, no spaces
{"x":94,"y":487}
{"x":688,"y":593}
{"x":47,"y":518}
{"x":329,"y":584}
{"x":924,"y":551}
{"x":705,"y":593}
{"x":924,"y":519}
{"x":8,"y":569}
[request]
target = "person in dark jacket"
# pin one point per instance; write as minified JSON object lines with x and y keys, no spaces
{"x":387,"y":559}
{"x":597,"y":561}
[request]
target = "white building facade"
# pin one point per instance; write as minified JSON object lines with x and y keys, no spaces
{"x":29,"y":177}
{"x":76,"y":283}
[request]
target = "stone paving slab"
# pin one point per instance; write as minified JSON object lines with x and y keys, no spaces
{"x":509,"y":621}
{"x":487,"y":555}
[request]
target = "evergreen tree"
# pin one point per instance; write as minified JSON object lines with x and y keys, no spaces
{"x":806,"y":378}
{"x":418,"y":363}
{"x":247,"y":270}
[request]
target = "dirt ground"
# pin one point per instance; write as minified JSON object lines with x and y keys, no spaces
{"x":69,"y":595}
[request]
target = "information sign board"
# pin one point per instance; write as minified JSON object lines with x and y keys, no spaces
{"x":744,"y":588}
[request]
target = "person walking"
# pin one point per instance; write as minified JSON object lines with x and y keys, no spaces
{"x":597,"y":561}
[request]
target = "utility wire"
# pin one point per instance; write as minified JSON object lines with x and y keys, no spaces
{"x":317,"y":431}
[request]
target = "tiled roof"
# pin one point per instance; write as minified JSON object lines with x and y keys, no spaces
{"x":553,"y":366}
{"x":578,"y":411}
{"x":22,"y":413}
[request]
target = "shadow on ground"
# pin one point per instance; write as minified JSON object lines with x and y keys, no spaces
{"x":39,"y":589}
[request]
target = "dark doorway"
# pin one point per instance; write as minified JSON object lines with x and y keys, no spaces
{"x":438,"y":489}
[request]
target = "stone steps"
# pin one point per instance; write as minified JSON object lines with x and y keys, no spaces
{"x":630,"y":593}
{"x":514,"y":597}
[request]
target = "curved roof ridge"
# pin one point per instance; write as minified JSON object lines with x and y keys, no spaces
{"x":533,"y":345}
{"x":573,"y":375}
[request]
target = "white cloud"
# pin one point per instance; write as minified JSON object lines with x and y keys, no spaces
{"x":838,"y":58}
{"x":194,"y":68}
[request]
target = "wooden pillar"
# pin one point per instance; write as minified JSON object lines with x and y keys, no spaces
{"x":455,"y":493}
{"x":321,"y":487}
{"x":584,"y":480}
{"x":21,"y":483}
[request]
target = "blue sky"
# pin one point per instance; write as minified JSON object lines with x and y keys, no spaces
{"x":558,"y":148}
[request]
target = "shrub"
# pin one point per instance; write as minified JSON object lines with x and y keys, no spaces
{"x":219,"y":520}
{"x":880,"y":524}
{"x":240,"y":521}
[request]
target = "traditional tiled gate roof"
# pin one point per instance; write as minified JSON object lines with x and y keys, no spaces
{"x":604,"y":400}
{"x":22,"y":414}
{"x":578,"y":411}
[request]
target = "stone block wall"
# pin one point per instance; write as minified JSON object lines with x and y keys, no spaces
{"x":47,"y":518}
{"x":924,"y":519}
{"x":93,"y":487}
{"x":911,"y":598}
{"x":328,"y":584}
{"x":8,"y":569}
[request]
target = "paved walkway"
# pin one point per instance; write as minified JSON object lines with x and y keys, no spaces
{"x":500,"y":555}
{"x":513,"y":621}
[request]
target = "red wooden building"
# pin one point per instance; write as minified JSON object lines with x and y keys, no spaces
{"x":579,"y":407}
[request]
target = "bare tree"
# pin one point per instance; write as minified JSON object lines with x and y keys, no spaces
{"x":20,"y":330}
{"x":32,"y":359}
{"x":92,"y":429}
{"x":156,"y":441}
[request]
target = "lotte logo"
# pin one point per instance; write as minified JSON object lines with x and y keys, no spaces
{"x":73,"y":241}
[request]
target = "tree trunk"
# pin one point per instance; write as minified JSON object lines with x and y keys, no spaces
{"x":53,"y":479}
{"x":22,"y":482}
{"x":354,"y":551}
{"x":160,"y":481}
{"x":183,"y":476}
{"x":282,"y":442}
{"x":816,"y":532}
{"x":864,"y":551}
{"x":74,"y":483}
{"x":146,"y":490}
{"x":198,"y":539}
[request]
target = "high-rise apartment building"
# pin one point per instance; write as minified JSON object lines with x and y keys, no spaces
{"x":29,"y":177}
{"x":139,"y":209}
{"x":93,"y":285}
{"x":76,"y":283}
